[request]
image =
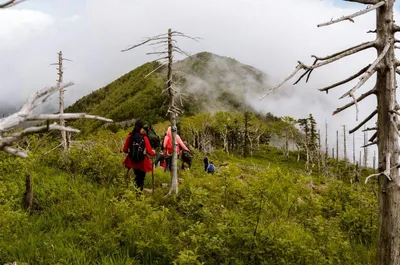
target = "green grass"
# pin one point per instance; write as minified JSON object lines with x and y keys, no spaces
{"x":258,"y":210}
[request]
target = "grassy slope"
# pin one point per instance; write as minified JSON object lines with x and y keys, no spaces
{"x":86,"y":215}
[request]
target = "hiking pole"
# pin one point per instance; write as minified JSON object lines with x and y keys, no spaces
{"x":152,"y":172}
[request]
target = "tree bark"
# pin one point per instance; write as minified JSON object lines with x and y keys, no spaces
{"x":388,"y":146}
{"x":61,"y":101}
{"x":174,"y":169}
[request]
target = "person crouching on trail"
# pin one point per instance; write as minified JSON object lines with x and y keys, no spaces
{"x":138,"y":148}
{"x":168,"y":147}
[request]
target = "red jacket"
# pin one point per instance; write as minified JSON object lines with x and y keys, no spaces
{"x":168,"y":143}
{"x":144,"y":165}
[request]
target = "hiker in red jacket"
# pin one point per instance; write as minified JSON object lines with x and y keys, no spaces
{"x":141,"y":166}
{"x":168,"y":146}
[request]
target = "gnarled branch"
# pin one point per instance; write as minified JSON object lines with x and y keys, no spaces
{"x":371,"y":70}
{"x":364,"y":121}
{"x":363,"y":96}
{"x":346,"y":80}
{"x":66,"y":116}
{"x":350,"y":17}
{"x":373,"y":143}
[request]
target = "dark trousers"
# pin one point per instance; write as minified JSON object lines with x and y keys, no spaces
{"x":139,"y":178}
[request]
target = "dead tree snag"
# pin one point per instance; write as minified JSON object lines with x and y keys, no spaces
{"x":168,"y":41}
{"x":386,"y":136}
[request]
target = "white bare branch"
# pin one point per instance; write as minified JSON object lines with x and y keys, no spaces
{"x":326,"y":60}
{"x":15,"y":152}
{"x":371,"y":70}
{"x":363,"y":96}
{"x":298,"y":68}
{"x":66,"y":116}
{"x":25,"y":114}
{"x":350,"y":17}
{"x":386,"y":173}
{"x":16,"y":119}
{"x":155,"y":70}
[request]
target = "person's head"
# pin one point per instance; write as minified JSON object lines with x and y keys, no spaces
{"x":138,"y":126}
{"x":211,"y":162}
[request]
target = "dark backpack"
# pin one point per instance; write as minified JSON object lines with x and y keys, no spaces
{"x":211,"y":168}
{"x":153,"y":137}
{"x":137,"y":147}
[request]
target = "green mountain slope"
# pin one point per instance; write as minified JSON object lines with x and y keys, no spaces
{"x":209,"y":82}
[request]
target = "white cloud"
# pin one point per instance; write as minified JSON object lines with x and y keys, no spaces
{"x":19,"y":25}
{"x":270,"y":35}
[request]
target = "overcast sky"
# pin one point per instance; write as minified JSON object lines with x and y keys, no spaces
{"x":270,"y":35}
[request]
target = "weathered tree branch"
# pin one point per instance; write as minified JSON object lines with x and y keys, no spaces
{"x":25,"y":114}
{"x":373,"y":137}
{"x":371,"y":70}
{"x":298,"y":68}
{"x":326,"y":60}
{"x":14,"y":120}
{"x":373,"y":143}
{"x":346,"y":80}
{"x":370,"y":129}
{"x":9,"y":140}
{"x":364,"y":121}
{"x":11,"y":3}
{"x":350,"y":17}
{"x":366,"y":2}
{"x":363,"y":96}
{"x":67,"y":116}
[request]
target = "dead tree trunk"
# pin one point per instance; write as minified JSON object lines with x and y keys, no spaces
{"x":344,"y":146}
{"x":365,"y":148}
{"x":386,"y":137}
{"x":61,"y":103}
{"x":28,"y":195}
{"x":337,"y":146}
{"x":354,"y":149}
{"x":171,"y":94}
{"x":388,"y":145}
{"x":65,"y":136}
{"x":326,"y":143}
{"x":169,"y":40}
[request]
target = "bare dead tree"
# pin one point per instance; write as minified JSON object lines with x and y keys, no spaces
{"x":354,"y":149}
{"x":386,"y":136}
{"x":333,"y":152}
{"x":60,"y":73}
{"x":344,"y":145}
{"x":365,"y":148}
{"x":326,"y":142}
{"x":168,"y":44}
{"x":337,"y":146}
{"x":9,"y":133}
